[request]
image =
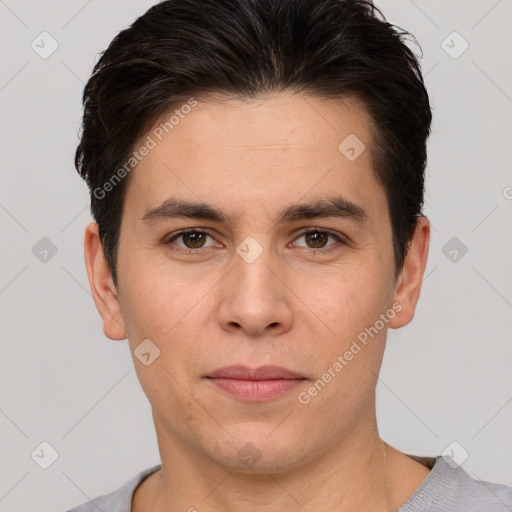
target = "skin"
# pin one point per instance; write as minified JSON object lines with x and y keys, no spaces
{"x":288,"y":307}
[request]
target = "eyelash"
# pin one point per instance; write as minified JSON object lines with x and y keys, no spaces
{"x":309,"y":250}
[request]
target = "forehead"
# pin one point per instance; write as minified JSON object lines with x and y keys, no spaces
{"x":267,"y":150}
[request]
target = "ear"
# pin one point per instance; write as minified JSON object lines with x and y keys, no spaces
{"x":408,"y":284}
{"x":102,"y":287}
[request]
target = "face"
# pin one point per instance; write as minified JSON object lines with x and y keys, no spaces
{"x":288,"y":262}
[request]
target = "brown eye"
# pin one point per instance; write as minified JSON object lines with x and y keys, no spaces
{"x":190,"y":239}
{"x":194,"y":240}
{"x":317,"y":239}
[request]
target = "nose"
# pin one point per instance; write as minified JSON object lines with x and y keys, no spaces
{"x":255,"y":297}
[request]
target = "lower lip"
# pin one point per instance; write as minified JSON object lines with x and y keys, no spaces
{"x":256,"y":390}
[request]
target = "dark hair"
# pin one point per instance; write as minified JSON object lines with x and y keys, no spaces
{"x":245,"y":48}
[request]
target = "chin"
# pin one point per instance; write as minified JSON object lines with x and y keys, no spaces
{"x":263,"y":466}
{"x":261,"y":454}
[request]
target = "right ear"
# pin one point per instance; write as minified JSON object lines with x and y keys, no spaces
{"x":102,"y":286}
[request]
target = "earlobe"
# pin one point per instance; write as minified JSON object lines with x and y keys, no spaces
{"x":102,"y":287}
{"x":408,"y":285}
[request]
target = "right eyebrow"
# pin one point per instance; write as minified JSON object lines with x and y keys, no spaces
{"x":172,"y":208}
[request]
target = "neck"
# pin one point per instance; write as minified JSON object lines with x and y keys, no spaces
{"x":359,"y":473}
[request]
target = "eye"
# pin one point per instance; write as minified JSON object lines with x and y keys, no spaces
{"x":192,"y":239}
{"x":316,"y":240}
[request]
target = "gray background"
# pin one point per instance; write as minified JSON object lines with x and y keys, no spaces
{"x":446,"y":377}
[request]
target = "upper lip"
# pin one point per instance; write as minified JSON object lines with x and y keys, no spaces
{"x":242,"y":372}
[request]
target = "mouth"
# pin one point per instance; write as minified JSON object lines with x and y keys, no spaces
{"x":242,"y":372}
{"x":255,"y":385}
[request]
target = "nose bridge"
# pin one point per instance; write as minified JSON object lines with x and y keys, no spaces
{"x":257,"y":274}
{"x":255,"y":297}
{"x":254,"y":262}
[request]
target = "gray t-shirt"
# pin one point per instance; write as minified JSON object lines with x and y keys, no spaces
{"x":446,"y":489}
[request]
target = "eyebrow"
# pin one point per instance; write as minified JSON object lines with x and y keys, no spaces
{"x":336,"y":206}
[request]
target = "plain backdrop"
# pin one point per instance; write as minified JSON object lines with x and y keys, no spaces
{"x":446,"y":377}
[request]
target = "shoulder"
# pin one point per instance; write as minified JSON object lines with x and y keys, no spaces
{"x":448,"y":488}
{"x":119,"y":500}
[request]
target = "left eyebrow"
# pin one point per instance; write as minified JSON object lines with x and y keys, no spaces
{"x":336,"y":206}
{"x":332,"y":206}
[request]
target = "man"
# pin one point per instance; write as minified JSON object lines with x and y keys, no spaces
{"x":256,"y":170}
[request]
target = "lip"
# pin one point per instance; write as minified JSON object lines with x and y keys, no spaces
{"x":255,"y":385}
{"x":243,"y":372}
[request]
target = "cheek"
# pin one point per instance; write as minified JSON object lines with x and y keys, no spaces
{"x":345,"y":299}
{"x":165,"y":392}
{"x":346,"y":308}
{"x":155,"y":301}
{"x":169,"y":311}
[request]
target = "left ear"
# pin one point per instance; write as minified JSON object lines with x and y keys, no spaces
{"x":408,"y":285}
